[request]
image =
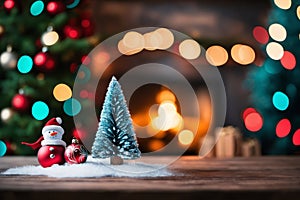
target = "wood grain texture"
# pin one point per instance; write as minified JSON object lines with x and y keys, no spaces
{"x":194,"y":178}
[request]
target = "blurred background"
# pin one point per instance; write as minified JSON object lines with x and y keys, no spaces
{"x":254,"y":45}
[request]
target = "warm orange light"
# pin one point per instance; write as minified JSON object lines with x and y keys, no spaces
{"x":242,"y":54}
{"x":62,"y":92}
{"x":167,"y":38}
{"x":216,"y":55}
{"x":165,"y":95}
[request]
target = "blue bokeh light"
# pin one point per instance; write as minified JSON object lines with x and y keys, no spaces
{"x":72,"y":107}
{"x":3,"y":148}
{"x":25,"y":64}
{"x":73,"y":4}
{"x":37,"y":8}
{"x":40,"y":110}
{"x":280,"y":101}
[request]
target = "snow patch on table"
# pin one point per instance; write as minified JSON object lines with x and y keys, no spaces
{"x":93,"y":168}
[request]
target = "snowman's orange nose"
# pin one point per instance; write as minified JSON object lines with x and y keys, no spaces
{"x":53,"y":133}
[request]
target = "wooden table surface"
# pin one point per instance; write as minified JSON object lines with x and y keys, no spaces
{"x":237,"y":178}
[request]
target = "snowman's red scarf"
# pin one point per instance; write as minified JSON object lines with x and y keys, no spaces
{"x":41,"y":142}
{"x":36,"y":144}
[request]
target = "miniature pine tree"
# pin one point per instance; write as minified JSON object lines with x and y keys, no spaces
{"x":115,"y":137}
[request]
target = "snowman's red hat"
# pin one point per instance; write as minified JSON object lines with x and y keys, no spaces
{"x":53,"y":125}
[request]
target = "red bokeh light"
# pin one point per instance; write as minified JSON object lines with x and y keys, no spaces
{"x":40,"y":59}
{"x":260,"y":34}
{"x":20,"y":102}
{"x":288,"y":60}
{"x":247,"y":111}
{"x":283,"y":128}
{"x":9,"y":4}
{"x":253,"y":122}
{"x":296,"y":137}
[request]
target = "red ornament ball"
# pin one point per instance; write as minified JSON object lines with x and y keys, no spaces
{"x":76,"y":153}
{"x":72,"y":32}
{"x":44,"y":61}
{"x":55,"y":7}
{"x":20,"y":102}
{"x":9,"y":4}
{"x":51,"y":154}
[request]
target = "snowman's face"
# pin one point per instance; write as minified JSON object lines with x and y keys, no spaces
{"x":52,"y":135}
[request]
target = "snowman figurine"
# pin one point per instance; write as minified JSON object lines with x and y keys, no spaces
{"x":51,"y":146}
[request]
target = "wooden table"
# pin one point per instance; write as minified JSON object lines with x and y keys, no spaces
{"x":238,"y":178}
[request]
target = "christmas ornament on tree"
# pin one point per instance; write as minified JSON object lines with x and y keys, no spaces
{"x":20,"y":102}
{"x":55,"y":7}
{"x":51,"y":146}
{"x":8,"y":59}
{"x":115,"y":138}
{"x":7,"y":114}
{"x":44,"y":61}
{"x":76,"y":153}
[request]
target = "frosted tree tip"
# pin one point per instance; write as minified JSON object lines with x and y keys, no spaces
{"x":113,"y":78}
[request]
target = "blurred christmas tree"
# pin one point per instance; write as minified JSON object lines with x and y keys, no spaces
{"x":275,"y":118}
{"x":41,"y":45}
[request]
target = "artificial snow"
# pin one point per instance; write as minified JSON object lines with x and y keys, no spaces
{"x":93,"y":168}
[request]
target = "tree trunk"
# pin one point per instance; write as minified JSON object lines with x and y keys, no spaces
{"x":116,"y":160}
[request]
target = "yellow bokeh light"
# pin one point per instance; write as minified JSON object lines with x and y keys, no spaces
{"x":275,"y":50}
{"x":189,"y":49}
{"x":283,"y":4}
{"x":167,"y":108}
{"x":126,"y":50}
{"x":167,"y":38}
{"x":62,"y":92}
{"x":167,"y":117}
{"x":216,"y":55}
{"x":185,"y":137}
{"x":277,"y":32}
{"x":133,"y":40}
{"x":152,"y":40}
{"x":242,"y":54}
{"x":298,"y":12}
{"x":167,"y":121}
{"x":49,"y":38}
{"x":165,"y":95}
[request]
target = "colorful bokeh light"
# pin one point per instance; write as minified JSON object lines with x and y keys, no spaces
{"x":296,"y":138}
{"x":274,"y":50}
{"x":242,"y":54}
{"x":260,"y":34}
{"x":37,"y":8}
{"x":62,"y":92}
{"x":280,"y":101}
{"x":288,"y":60}
{"x":50,"y":38}
{"x":253,"y":122}
{"x":72,"y":107}
{"x":277,"y":32}
{"x":248,"y":111}
{"x":73,"y":4}
{"x":9,"y":4}
{"x":40,"y":110}
{"x":185,"y":137}
{"x":25,"y":64}
{"x":283,"y":128}
{"x":283,"y":4}
{"x":189,"y":49}
{"x":216,"y":55}
{"x":3,"y":148}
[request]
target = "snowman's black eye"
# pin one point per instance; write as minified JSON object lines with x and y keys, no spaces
{"x":49,"y":132}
